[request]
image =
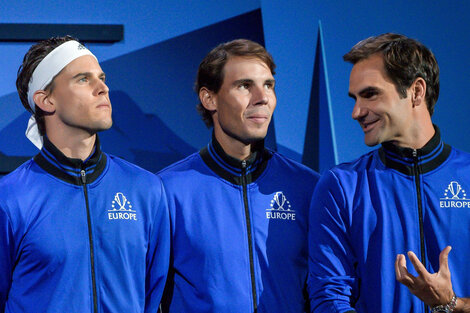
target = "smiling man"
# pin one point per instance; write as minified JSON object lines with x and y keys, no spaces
{"x":80,"y":230}
{"x":407,"y":196}
{"x":239,"y":211}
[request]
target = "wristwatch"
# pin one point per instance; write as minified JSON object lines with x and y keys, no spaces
{"x":446,"y":308}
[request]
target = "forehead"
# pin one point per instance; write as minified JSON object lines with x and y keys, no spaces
{"x":246,"y":67}
{"x":85,"y":63}
{"x":368,"y":72}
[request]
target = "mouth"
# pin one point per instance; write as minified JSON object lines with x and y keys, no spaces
{"x":368,"y":125}
{"x":104,"y":105}
{"x":258,"y":119}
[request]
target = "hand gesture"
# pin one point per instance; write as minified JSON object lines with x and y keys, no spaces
{"x":432,"y":289}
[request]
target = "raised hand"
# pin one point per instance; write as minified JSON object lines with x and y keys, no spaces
{"x":433,"y":289}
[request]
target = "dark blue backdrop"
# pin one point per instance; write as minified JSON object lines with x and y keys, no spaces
{"x":151,"y":71}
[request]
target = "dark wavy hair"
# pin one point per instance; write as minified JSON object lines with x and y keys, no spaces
{"x":211,"y":70}
{"x":31,"y":60}
{"x":405,"y":59}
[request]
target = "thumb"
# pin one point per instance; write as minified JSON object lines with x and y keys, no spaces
{"x":444,"y":260}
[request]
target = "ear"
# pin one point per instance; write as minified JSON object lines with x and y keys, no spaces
{"x":208,"y":99}
{"x":43,"y":101}
{"x":418,"y":92}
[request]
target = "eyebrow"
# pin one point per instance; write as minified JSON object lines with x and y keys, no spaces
{"x":272,"y":81}
{"x":87,"y":74}
{"x":251,"y":81}
{"x":243,"y":80}
{"x":364,"y":91}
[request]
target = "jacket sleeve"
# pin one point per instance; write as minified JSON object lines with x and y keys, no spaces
{"x":158,"y":255}
{"x":332,"y":281}
{"x":6,"y":257}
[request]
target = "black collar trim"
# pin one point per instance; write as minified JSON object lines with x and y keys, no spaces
{"x":406,"y":160}
{"x":53,"y":161}
{"x":232,"y":169}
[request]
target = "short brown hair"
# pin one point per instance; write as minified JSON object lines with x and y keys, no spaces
{"x":405,"y":59}
{"x":211,"y":70}
{"x":31,"y":60}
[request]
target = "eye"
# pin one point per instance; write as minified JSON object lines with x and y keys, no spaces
{"x":370,"y":94}
{"x":244,"y":86}
{"x":269,"y":85}
{"x":83,"y":79}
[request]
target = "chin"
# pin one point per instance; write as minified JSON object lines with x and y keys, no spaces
{"x":252,"y":139}
{"x":371,"y":142}
{"x":373,"y":137}
{"x":104,"y":125}
{"x":257,"y":136}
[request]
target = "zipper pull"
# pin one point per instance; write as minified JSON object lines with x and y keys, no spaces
{"x":244,"y":167}
{"x":83,"y":176}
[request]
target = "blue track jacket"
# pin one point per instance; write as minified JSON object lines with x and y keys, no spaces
{"x":389,"y":201}
{"x":239,"y":232}
{"x":77,"y":236}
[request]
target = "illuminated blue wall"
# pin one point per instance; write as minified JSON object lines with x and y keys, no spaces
{"x":151,"y":71}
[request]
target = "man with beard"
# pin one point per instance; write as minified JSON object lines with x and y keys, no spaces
{"x":239,"y":211}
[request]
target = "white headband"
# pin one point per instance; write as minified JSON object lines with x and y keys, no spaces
{"x":42,"y":76}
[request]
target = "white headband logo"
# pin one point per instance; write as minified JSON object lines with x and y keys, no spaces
{"x":42,"y":76}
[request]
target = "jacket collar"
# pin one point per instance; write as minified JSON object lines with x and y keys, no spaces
{"x":232,"y":169}
{"x":53,"y":161}
{"x":407,"y":160}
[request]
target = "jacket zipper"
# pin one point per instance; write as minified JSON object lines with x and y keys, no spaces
{"x":90,"y":239}
{"x":248,"y":228}
{"x":420,"y":212}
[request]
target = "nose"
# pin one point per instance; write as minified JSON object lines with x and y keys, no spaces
{"x":101,"y":87}
{"x":358,"y":111}
{"x":260,"y":95}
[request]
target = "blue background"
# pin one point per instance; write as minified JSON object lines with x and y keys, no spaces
{"x":151,"y":72}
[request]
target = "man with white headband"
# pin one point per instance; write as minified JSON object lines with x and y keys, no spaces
{"x":80,"y":230}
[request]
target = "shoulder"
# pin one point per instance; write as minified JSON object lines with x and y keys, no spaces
{"x":363,"y":163}
{"x":21,"y":185}
{"x":345,"y":175}
{"x":18,"y":177}
{"x":284,"y":163}
{"x":128,"y":170}
{"x":182,"y":167}
{"x":460,"y":154}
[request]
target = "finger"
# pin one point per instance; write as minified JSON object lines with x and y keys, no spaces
{"x":418,"y":266}
{"x":401,"y":272}
{"x":399,"y":265}
{"x":444,"y":259}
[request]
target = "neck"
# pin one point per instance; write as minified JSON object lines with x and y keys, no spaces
{"x":418,"y":135}
{"x":233,"y":147}
{"x":74,"y":147}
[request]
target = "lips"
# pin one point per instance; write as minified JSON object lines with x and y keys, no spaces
{"x":104,"y":105}
{"x":368,"y":125}
{"x":258,"y":118}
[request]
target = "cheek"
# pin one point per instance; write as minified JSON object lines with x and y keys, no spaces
{"x":58,"y":98}
{"x":274,"y":103}
{"x":231,"y":111}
